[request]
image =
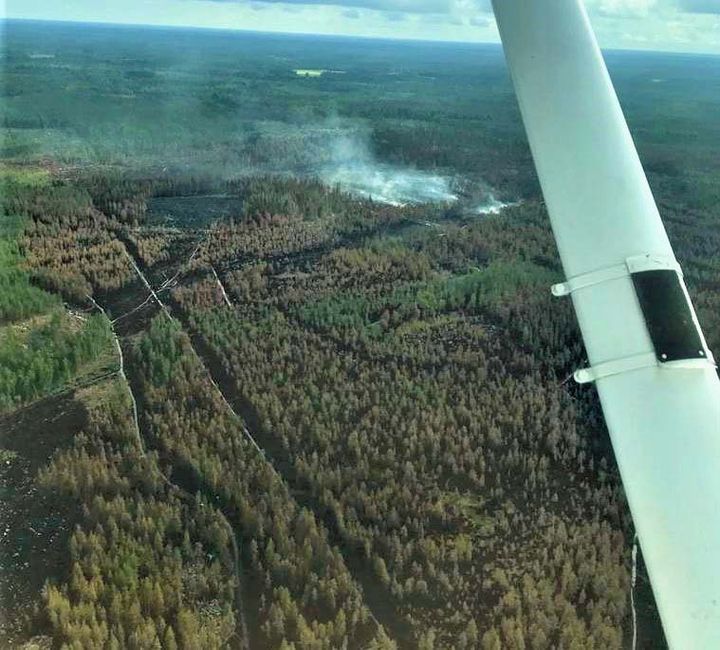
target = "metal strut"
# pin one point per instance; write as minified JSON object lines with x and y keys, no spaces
{"x":635,"y":264}
{"x":664,"y":423}
{"x":687,"y":349}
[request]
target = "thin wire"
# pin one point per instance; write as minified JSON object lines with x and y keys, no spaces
{"x":633,"y":580}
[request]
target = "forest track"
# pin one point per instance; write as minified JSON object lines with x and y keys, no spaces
{"x":377,"y":599}
{"x":375,"y":596}
{"x":141,"y":275}
{"x":241,"y":642}
{"x":221,"y":286}
{"x":633,"y":579}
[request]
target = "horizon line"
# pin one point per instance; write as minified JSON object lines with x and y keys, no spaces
{"x":212,"y":28}
{"x":498,"y":43}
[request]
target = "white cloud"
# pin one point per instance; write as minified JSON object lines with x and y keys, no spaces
{"x":680,"y":25}
{"x":621,"y":7}
{"x":700,"y":6}
{"x":391,"y":6}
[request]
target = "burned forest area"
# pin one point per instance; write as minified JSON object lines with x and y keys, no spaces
{"x":244,"y":404}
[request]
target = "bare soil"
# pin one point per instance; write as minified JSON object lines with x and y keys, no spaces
{"x":35,"y":526}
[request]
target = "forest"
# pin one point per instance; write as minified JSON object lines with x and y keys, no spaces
{"x":243,"y":406}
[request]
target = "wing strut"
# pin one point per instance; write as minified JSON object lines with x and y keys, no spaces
{"x":663,"y":414}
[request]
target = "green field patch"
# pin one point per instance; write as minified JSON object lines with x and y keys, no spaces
{"x":23,"y":176}
{"x":472,"y":511}
{"x":309,"y":72}
{"x":480,"y":289}
{"x":416,"y":327}
{"x":49,"y":353}
{"x":18,"y":297}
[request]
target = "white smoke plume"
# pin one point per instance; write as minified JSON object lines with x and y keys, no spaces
{"x":352,"y":166}
{"x":338,"y":152}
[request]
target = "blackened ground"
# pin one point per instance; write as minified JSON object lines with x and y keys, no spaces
{"x":35,"y":526}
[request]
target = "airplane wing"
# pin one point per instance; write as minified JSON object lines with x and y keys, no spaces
{"x":656,"y":378}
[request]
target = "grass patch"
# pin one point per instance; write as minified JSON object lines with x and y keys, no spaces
{"x":49,"y":354}
{"x":303,"y":72}
{"x":23,"y":176}
{"x":19,"y":299}
{"x":472,"y":511}
{"x":470,"y":292}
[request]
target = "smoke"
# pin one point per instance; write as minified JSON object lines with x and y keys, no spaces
{"x":492,"y":205}
{"x":353,"y":168}
{"x":339,"y":153}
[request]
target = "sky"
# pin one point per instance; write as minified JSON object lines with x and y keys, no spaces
{"x":666,"y":25}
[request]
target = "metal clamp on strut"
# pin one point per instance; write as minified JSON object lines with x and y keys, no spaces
{"x":635,"y":362}
{"x":614,"y":367}
{"x":636,"y":264}
{"x":670,"y":319}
